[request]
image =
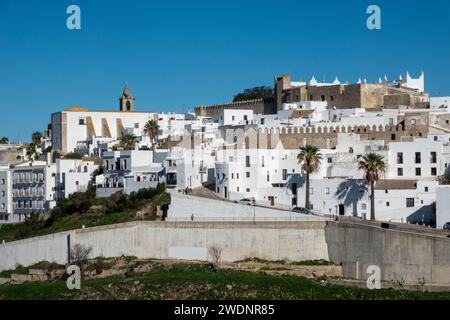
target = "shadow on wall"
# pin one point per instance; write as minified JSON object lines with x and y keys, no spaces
{"x":350,"y":192}
{"x":425,"y":215}
{"x":296,"y":181}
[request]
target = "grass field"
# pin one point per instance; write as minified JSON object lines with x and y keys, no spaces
{"x":198,"y":281}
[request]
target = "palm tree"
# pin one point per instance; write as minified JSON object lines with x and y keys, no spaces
{"x":309,"y":158}
{"x":31,"y":152}
{"x":151,"y":128}
{"x":128,"y":140}
{"x":36,"y":138}
{"x":373,"y":165}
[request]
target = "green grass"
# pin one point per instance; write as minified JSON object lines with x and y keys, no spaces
{"x":13,"y":232}
{"x":186,"y":281}
{"x":313,"y":263}
{"x":43,"y":265}
{"x":283,"y":262}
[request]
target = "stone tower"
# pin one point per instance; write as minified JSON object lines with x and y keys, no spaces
{"x":126,"y":100}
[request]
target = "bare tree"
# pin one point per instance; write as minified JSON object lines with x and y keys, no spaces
{"x":79,"y":255}
{"x":216,"y":254}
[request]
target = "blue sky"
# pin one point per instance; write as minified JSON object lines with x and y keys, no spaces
{"x":180,"y":54}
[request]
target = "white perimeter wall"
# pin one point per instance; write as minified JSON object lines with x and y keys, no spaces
{"x":183,"y":206}
{"x":186,"y":240}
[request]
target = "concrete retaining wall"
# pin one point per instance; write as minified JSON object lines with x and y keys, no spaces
{"x":405,"y":256}
{"x":186,"y":240}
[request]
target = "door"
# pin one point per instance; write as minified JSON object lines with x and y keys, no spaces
{"x":225,"y":191}
{"x":271,"y":201}
{"x":341,"y":210}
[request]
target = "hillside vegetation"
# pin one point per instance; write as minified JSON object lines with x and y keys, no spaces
{"x":187,"y":281}
{"x":86,"y":209}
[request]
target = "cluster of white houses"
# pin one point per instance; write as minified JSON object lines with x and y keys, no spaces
{"x":249,"y":149}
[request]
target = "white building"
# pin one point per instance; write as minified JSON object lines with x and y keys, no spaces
{"x":442,"y":206}
{"x":128,"y":171}
{"x":73,"y":176}
{"x":78,"y":129}
{"x":6,"y":207}
{"x":34,"y":188}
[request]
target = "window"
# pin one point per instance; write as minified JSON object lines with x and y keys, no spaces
{"x":232,"y":118}
{"x":433,"y":171}
{"x":247,"y":190}
{"x":81,"y":122}
{"x":262,"y":161}
{"x":399,"y":157}
{"x":435,"y":138}
{"x":3,"y":181}
{"x":388,"y":204}
{"x":232,"y":176}
{"x":237,"y":175}
{"x":245,"y":118}
{"x":268,"y":176}
{"x":330,"y":160}
{"x":400,"y":172}
{"x":393,"y":136}
{"x":418,"y":157}
{"x":327,"y":190}
{"x":247,"y":174}
{"x":322,"y":98}
{"x":386,"y":191}
{"x":413,"y":121}
{"x":247,"y":161}
{"x":426,"y":189}
{"x":409,"y":202}
{"x":433,"y":158}
{"x":311,"y":191}
{"x":237,"y":189}
{"x":136,"y":125}
{"x":332,"y":98}
{"x":284,"y":174}
{"x":418,"y":172}
{"x":363,"y":206}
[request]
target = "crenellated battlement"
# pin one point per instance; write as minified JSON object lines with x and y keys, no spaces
{"x":327,"y":129}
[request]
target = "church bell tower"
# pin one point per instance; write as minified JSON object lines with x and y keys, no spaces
{"x":126,"y":100}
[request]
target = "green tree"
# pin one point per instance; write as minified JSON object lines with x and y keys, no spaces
{"x":373,"y":165}
{"x":254,"y":93}
{"x":31,"y":152}
{"x":128,"y":140}
{"x":36,"y":138}
{"x":310,"y":159}
{"x":73,"y":155}
{"x":151,"y":128}
{"x":4,"y":140}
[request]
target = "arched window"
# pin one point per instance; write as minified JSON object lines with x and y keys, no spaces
{"x":128,"y":105}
